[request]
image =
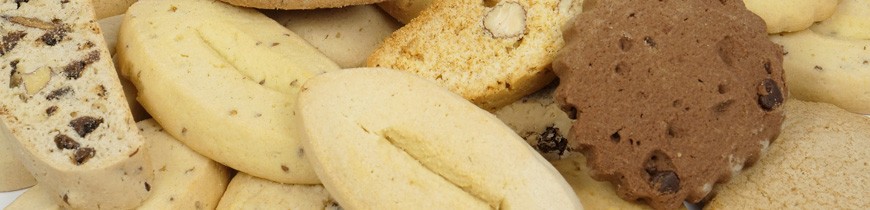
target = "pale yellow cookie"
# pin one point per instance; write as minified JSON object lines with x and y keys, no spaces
{"x":827,"y":69}
{"x":299,"y":4}
{"x":224,"y":81}
{"x":851,"y":21}
{"x":109,"y":8}
{"x":346,"y":35}
{"x":791,"y":15}
{"x":247,"y":192}
{"x":387,"y":139}
{"x":820,"y":161}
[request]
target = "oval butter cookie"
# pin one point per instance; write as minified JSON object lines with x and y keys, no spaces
{"x":387,"y":139}
{"x":247,"y":192}
{"x":820,"y":161}
{"x":850,"y":21}
{"x":791,"y":15}
{"x":827,"y":69}
{"x":223,"y":80}
{"x":299,"y":4}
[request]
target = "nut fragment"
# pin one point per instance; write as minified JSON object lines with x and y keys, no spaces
{"x":74,"y":70}
{"x":37,"y":80}
{"x":30,"y":22}
{"x":506,"y":20}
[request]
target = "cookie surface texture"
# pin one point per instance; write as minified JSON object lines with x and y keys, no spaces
{"x":827,"y":69}
{"x":299,"y":4}
{"x":819,"y":162}
{"x":489,"y":54}
{"x":64,"y":105}
{"x":791,"y":15}
{"x":223,"y":80}
{"x":247,"y":192}
{"x":346,"y":35}
{"x":460,"y":157}
{"x":13,"y":176}
{"x":670,"y":97}
{"x":851,"y":20}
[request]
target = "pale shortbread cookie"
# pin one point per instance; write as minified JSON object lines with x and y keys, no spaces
{"x":850,"y":21}
{"x":791,"y":15}
{"x":827,"y":69}
{"x":247,"y":192}
{"x":490,"y":53}
{"x":299,"y":4}
{"x":346,"y":35}
{"x":65,"y":107}
{"x":820,"y":161}
{"x":224,"y":81}
{"x":13,"y":175}
{"x":111,"y":26}
{"x":109,"y":8}
{"x":183,"y":179}
{"x":365,"y":138}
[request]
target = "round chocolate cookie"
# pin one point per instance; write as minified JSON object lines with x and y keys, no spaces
{"x":670,"y":96}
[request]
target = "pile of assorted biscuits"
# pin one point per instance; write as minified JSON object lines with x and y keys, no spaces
{"x":422,"y":104}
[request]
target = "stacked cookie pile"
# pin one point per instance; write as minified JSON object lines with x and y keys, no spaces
{"x":460,"y":104}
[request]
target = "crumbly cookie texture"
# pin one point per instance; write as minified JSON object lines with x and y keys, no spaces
{"x":668,"y":105}
{"x":490,"y":53}
{"x":234,"y":99}
{"x":64,"y":107}
{"x":248,"y":192}
{"x":368,"y":145}
{"x":819,"y":162}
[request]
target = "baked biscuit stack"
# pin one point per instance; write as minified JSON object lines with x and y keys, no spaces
{"x":454,"y":104}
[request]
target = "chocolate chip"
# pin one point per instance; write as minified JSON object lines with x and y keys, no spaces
{"x":771,"y":96}
{"x":74,"y":69}
{"x":52,"y":37}
{"x":10,"y":41}
{"x":60,"y":92}
{"x":85,"y":125}
{"x":51,"y":110}
{"x":551,"y":141}
{"x":65,"y":142}
{"x":667,"y":181}
{"x":83,"y":154}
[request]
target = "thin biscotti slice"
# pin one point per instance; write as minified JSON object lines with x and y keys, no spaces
{"x":62,"y":101}
{"x":13,"y":175}
{"x":388,"y":139}
{"x":183,"y":179}
{"x":489,"y":53}
{"x":248,"y":192}
{"x":224,"y":81}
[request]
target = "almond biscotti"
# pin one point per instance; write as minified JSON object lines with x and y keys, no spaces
{"x":490,"y":53}
{"x":62,"y":102}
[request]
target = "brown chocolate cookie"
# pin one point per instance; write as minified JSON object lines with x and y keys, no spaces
{"x":670,"y":96}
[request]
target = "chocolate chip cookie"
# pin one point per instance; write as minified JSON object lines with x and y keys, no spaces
{"x":671,"y":97}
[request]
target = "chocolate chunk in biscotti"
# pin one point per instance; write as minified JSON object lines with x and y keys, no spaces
{"x":671,"y":97}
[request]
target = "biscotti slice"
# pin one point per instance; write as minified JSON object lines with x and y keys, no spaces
{"x":491,"y":53}
{"x":13,"y":175}
{"x":63,"y":103}
{"x":296,"y":5}
{"x":820,"y":161}
{"x":365,"y":138}
{"x":346,"y":35}
{"x":224,"y":81}
{"x":248,"y":192}
{"x":183,"y":179}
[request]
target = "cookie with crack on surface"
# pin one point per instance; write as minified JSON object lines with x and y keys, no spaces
{"x":668,"y":104}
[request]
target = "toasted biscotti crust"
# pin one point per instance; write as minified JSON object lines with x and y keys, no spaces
{"x":64,"y":106}
{"x":297,"y":4}
{"x":819,"y":162}
{"x":493,"y":65}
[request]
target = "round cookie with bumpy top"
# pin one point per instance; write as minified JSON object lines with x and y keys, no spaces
{"x":670,"y":97}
